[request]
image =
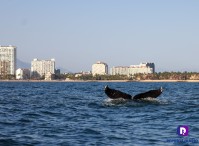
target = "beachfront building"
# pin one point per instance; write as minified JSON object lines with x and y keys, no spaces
{"x":144,"y":68}
{"x":22,"y":74}
{"x":49,"y":76}
{"x":39,"y":68}
{"x":99,"y":68}
{"x":119,"y":70}
{"x":82,"y":73}
{"x":7,"y":60}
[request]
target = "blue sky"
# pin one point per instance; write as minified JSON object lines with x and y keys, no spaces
{"x":77,"y":33}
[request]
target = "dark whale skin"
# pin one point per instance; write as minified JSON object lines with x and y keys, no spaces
{"x":115,"y":94}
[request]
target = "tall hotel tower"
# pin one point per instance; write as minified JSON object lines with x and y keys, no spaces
{"x":40,"y":68}
{"x":100,"y":68}
{"x":7,"y":60}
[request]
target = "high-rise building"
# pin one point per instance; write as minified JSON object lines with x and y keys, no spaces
{"x":133,"y":69}
{"x":119,"y":70}
{"x":144,"y":68}
{"x":7,"y":60}
{"x":40,"y":68}
{"x":99,"y":68}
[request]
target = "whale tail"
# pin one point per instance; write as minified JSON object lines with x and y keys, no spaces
{"x":114,"y":94}
{"x":150,"y":93}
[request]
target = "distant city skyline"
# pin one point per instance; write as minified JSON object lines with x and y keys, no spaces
{"x":120,"y":33}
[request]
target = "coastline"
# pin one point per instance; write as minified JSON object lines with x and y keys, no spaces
{"x":147,"y":81}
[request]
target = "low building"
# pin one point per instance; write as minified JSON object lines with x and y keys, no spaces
{"x":57,"y":71}
{"x":82,"y":73}
{"x":22,"y":74}
{"x":99,"y":68}
{"x":78,"y":75}
{"x":49,"y":76}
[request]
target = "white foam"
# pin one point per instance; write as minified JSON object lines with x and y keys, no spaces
{"x":121,"y":101}
{"x":117,"y":101}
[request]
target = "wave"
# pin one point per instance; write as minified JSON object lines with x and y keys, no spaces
{"x":121,"y":101}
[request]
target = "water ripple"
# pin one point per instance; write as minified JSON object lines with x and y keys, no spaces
{"x":81,"y":114}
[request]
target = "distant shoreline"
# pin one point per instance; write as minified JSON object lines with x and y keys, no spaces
{"x":153,"y":81}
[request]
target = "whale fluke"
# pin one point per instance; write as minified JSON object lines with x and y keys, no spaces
{"x":114,"y":94}
{"x":150,"y":93}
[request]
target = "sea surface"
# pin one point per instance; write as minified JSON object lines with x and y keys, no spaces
{"x":70,"y":114}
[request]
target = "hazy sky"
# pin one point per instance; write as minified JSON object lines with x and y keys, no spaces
{"x":77,"y":33}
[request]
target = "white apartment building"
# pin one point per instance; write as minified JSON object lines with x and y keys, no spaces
{"x":119,"y":70}
{"x":40,"y":68}
{"x":7,"y":60}
{"x":144,"y":68}
{"x":22,"y":74}
{"x":99,"y":68}
{"x":133,"y":69}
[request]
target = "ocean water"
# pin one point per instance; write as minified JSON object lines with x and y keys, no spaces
{"x":69,"y":114}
